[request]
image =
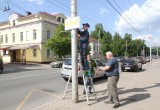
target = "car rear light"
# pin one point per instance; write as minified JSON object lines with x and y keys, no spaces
{"x":78,"y":68}
{"x":134,"y":64}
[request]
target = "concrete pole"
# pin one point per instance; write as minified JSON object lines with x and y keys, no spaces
{"x":74,"y":55}
{"x":157,"y":51}
{"x":150,"y":51}
{"x":98,"y":44}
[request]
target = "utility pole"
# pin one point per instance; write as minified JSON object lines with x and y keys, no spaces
{"x":126,"y":48}
{"x":157,"y":50}
{"x":150,"y":45}
{"x":98,"y":43}
{"x":74,"y":55}
{"x":150,"y":51}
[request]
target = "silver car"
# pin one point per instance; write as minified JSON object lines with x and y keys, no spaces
{"x":67,"y":70}
{"x":57,"y":64}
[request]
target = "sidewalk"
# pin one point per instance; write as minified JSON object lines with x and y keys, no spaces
{"x":137,"y":91}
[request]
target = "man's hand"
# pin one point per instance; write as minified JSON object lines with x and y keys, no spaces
{"x":100,"y":68}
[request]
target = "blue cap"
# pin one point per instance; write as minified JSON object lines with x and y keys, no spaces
{"x":86,"y":24}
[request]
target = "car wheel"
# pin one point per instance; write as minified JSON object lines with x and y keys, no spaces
{"x":66,"y":79}
{"x":60,"y":65}
{"x":105,"y":77}
{"x":1,"y":70}
{"x":136,"y":69}
{"x":141,"y":67}
{"x":80,"y":80}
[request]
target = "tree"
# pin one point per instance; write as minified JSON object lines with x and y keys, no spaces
{"x":116,"y":45}
{"x":60,"y":43}
{"x":98,"y":31}
{"x":105,"y":42}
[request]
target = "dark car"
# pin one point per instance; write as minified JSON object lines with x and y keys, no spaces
{"x":131,"y":64}
{"x":1,"y":66}
{"x":142,"y":59}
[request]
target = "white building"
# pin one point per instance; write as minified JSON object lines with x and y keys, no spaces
{"x":95,"y":47}
{"x":23,"y":37}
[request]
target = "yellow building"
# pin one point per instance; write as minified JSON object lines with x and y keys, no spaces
{"x":22,"y":37}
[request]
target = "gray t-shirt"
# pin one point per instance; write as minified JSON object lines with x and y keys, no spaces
{"x":114,"y":70}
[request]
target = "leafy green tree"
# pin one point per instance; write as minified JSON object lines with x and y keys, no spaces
{"x":116,"y":45}
{"x":60,"y":43}
{"x":98,"y":31}
{"x":105,"y":42}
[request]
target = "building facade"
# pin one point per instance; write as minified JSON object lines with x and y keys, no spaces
{"x":95,"y":48}
{"x":22,"y":37}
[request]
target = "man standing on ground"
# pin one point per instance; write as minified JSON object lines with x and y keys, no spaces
{"x":113,"y":76}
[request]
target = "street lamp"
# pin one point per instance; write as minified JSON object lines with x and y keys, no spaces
{"x":150,"y":51}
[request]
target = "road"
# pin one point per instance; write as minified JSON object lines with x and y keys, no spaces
{"x":24,"y":86}
{"x":27,"y":86}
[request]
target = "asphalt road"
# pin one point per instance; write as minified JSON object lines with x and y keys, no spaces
{"x":26,"y":86}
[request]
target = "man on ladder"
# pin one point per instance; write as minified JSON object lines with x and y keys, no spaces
{"x":86,"y":62}
{"x":83,"y":37}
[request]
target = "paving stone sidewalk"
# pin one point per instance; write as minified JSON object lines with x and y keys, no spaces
{"x":137,"y":91}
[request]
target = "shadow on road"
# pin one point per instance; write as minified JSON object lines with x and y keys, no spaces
{"x":136,"y":97}
{"x":15,"y":68}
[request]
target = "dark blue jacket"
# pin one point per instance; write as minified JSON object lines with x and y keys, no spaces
{"x":114,"y":70}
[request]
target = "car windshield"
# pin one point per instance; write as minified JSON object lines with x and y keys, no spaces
{"x":68,"y":62}
{"x":128,"y":61}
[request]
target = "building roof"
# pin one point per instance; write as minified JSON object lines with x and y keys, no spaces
{"x":91,"y":39}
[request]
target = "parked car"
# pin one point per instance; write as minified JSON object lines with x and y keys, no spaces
{"x":131,"y":64}
{"x":1,"y":66}
{"x":67,"y":70}
{"x":57,"y":64}
{"x":142,"y":59}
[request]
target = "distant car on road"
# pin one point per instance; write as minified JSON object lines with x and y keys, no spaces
{"x":131,"y":64}
{"x":1,"y":66}
{"x":67,"y":70}
{"x":57,"y":64}
{"x":142,"y":59}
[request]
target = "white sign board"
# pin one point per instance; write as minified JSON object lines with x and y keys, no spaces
{"x":72,"y":23}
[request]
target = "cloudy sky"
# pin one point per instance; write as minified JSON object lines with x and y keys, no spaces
{"x":137,"y":17}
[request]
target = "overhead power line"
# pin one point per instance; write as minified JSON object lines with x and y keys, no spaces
{"x":127,"y":16}
{"x":123,"y":17}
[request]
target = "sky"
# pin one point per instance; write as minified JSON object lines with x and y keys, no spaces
{"x":137,"y":17}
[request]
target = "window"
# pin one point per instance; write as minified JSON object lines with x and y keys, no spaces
{"x":13,"y":37}
{"x":21,"y":36}
{"x":48,"y":53}
{"x":99,"y":63}
{"x":48,"y":34}
{"x":14,"y":23}
{"x":34,"y":52}
{"x":59,"y":19}
{"x":62,"y":20}
{"x":27,"y":35}
{"x":6,"y":38}
{"x":34,"y":35}
{"x":94,"y":47}
{"x":1,"y":39}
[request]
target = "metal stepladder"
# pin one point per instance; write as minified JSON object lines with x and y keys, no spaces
{"x":84,"y":82}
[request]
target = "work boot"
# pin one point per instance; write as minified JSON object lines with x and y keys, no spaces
{"x":116,"y":105}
